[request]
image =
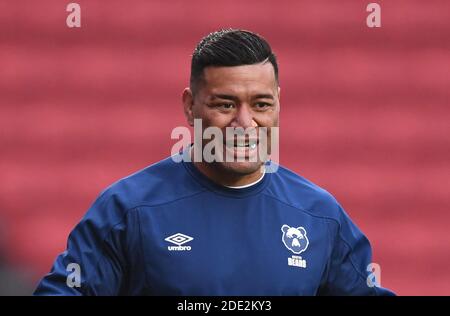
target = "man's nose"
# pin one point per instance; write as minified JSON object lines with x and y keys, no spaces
{"x":244,"y":117}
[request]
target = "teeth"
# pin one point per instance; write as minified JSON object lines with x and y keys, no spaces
{"x":242,"y":144}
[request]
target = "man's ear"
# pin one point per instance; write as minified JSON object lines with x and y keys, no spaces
{"x":188,"y":103}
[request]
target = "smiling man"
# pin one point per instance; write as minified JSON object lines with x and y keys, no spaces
{"x":234,"y":226}
{"x":234,"y":91}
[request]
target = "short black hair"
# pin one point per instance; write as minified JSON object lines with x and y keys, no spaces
{"x":230,"y":47}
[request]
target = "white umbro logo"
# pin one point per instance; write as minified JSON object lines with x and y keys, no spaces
{"x":179,"y":239}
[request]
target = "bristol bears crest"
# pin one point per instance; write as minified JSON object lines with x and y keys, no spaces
{"x":294,"y":238}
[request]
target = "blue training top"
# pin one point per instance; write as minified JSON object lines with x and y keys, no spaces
{"x":169,"y":230}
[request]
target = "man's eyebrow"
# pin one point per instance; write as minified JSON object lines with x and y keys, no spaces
{"x":263,"y":96}
{"x":225,"y":96}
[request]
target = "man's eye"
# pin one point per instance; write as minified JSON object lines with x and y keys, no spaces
{"x":262,"y":105}
{"x":226,"y":106}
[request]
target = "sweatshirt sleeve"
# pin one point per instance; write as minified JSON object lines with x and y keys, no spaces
{"x":95,"y":259}
{"x":348,"y":271}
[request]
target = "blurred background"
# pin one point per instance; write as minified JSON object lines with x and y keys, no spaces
{"x":365,"y":114}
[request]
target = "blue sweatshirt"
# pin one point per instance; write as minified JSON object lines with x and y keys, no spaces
{"x":169,"y":230}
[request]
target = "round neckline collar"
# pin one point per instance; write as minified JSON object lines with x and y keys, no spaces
{"x":238,"y":187}
{"x":224,"y":190}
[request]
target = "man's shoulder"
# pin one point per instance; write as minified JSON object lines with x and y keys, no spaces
{"x":156,"y":184}
{"x":295,"y":190}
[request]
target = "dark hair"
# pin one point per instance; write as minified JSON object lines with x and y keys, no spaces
{"x":230,"y":47}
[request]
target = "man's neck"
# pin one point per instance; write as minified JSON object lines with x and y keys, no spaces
{"x":226,"y":178}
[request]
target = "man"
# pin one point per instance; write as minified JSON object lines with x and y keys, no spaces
{"x":193,"y":227}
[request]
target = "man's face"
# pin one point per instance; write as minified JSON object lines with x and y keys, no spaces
{"x":240,"y":96}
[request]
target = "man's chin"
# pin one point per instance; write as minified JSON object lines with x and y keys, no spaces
{"x":241,"y":168}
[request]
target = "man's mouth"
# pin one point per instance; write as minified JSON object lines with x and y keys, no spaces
{"x":242,"y":143}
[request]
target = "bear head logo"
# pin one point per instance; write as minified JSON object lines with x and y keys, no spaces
{"x":295,"y":238}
